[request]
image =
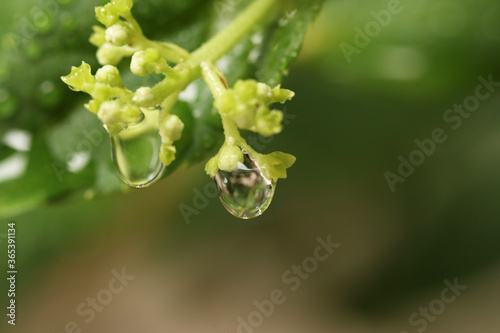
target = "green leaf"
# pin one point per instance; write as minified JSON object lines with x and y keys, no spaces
{"x":69,"y":156}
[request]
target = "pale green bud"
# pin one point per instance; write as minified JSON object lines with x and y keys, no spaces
{"x":110,"y":112}
{"x":98,"y":37}
{"x":167,"y":153}
{"x":109,"y":54}
{"x":212,"y":166}
{"x":171,"y":127}
{"x":119,"y":34}
{"x":229,"y":157}
{"x":263,"y":93}
{"x":146,"y":62}
{"x":80,"y":78}
{"x":144,"y":97}
{"x":281,"y":95}
{"x":274,"y":165}
{"x":110,"y":75}
{"x":106,"y":15}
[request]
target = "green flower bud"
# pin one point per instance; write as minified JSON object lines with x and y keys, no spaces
{"x":212,"y":166}
{"x":131,"y":114}
{"x":281,"y":95}
{"x":107,"y":15}
{"x":93,"y":106}
{"x":144,"y":97}
{"x":109,"y":54}
{"x":80,"y":78}
{"x":110,"y":113}
{"x":122,"y":6}
{"x":246,"y":89}
{"x":229,"y":157}
{"x":171,"y":127}
{"x":109,"y":74}
{"x":226,"y":103}
{"x":167,"y":153}
{"x":268,"y":122}
{"x":274,"y":165}
{"x":119,"y":34}
{"x":263,"y":93}
{"x":98,"y":37}
{"x":146,"y":62}
{"x":117,"y":116}
{"x":101,"y":92}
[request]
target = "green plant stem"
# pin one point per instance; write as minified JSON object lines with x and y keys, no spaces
{"x":215,"y":48}
{"x":212,"y":78}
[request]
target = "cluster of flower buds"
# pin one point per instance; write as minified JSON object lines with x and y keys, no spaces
{"x":247,"y":105}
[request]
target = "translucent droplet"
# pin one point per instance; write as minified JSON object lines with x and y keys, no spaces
{"x":135,"y":151}
{"x":245,"y":192}
{"x":8,"y":104}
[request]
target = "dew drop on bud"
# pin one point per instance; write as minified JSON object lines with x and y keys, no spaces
{"x":245,"y":192}
{"x":135,"y":151}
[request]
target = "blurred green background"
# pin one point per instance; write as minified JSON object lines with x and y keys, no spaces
{"x":348,"y":124}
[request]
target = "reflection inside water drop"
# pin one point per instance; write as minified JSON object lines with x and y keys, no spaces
{"x":135,"y":151}
{"x":245,"y":192}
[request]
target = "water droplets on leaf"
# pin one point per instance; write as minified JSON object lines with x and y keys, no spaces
{"x":245,"y":192}
{"x":135,"y":151}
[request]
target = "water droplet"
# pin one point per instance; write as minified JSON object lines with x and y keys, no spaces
{"x":135,"y":151}
{"x":8,"y":104}
{"x":246,"y":192}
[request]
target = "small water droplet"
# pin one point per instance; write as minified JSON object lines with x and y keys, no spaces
{"x":245,"y":192}
{"x":8,"y":104}
{"x":135,"y":151}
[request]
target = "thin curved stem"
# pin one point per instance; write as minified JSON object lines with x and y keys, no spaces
{"x":215,"y":48}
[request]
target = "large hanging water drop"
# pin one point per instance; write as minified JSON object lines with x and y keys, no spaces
{"x":245,"y":192}
{"x":135,"y":151}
